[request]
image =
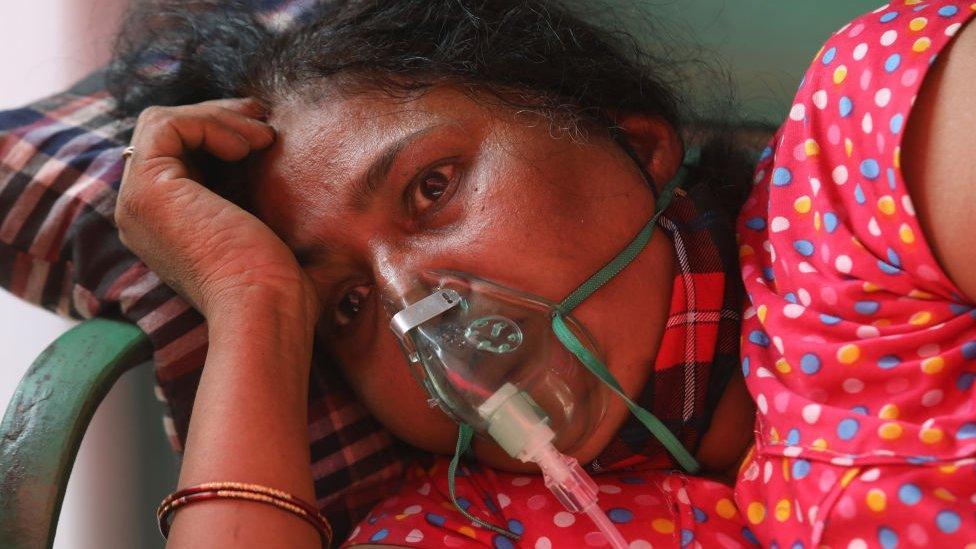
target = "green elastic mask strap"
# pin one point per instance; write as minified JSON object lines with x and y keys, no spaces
{"x":465,"y":434}
{"x":592,"y":363}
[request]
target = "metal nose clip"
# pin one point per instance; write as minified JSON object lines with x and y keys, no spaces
{"x":430,"y":307}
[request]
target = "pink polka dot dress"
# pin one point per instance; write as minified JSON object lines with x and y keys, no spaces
{"x":859,"y":351}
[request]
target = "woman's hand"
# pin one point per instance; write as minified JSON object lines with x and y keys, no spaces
{"x":215,"y":254}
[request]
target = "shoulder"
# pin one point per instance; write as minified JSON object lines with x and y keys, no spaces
{"x":939,"y":171}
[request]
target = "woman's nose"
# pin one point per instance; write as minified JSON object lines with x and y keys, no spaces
{"x":397,"y":276}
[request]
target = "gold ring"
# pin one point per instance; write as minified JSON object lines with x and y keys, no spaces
{"x":127,"y":152}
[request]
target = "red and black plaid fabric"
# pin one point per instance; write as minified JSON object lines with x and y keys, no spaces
{"x":60,"y":169}
{"x":700,"y":346}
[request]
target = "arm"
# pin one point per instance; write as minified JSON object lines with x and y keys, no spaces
{"x":939,"y":169}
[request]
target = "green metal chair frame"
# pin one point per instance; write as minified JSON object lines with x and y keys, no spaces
{"x":47,"y":418}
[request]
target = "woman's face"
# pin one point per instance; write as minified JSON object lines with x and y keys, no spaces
{"x":366,"y":186}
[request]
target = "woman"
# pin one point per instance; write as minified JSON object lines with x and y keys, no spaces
{"x":397,"y":138}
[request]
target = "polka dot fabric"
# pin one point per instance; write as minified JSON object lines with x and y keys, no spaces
{"x":650,"y":508}
{"x":859,"y":351}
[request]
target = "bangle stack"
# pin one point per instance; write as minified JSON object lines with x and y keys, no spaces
{"x":249,"y":492}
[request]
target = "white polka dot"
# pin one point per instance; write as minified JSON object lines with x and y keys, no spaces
{"x":842,"y":461}
{"x":839,"y":174}
{"x":683,"y":496}
{"x":503,"y":500}
{"x":815,"y":185}
{"x":843,"y":264}
{"x":778,"y":343}
{"x":867,"y":332}
{"x":811,"y":413}
{"x":860,"y":51}
{"x":779,"y":224}
{"x":563,"y":519}
{"x":882,"y":97}
{"x":792,"y":451}
{"x":355,"y":532}
{"x":932,"y":398}
{"x":760,"y":175}
{"x":951,"y":29}
{"x":640,"y":544}
{"x":798,"y":112}
{"x":521,"y":481}
{"x":857,"y":544}
{"x":793,"y":310}
{"x":889,"y":37}
{"x":412,"y":510}
{"x":867,"y":123}
{"x":819,"y":99}
{"x":804,"y":296}
{"x":767,"y":471}
{"x":424,"y":490}
{"x":543,"y":543}
{"x":762,"y":404}
{"x":762,"y":372}
{"x":853,"y":385}
{"x":609,"y":489}
{"x":928,"y":350}
{"x":906,"y":203}
{"x":873,"y":227}
{"x":752,"y":472}
{"x":781,"y":401}
{"x":805,"y":267}
{"x":871,"y":475}
{"x":414,"y":536}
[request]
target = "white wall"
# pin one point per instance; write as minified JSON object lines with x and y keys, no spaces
{"x":45,"y":45}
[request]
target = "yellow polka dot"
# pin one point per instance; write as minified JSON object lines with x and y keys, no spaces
{"x":820,"y":444}
{"x":890,"y":431}
{"x":773,"y":434}
{"x":948,"y":469}
{"x":906,"y":233}
{"x":911,"y":2}
{"x":930,"y":435}
{"x":761,"y":313}
{"x":919,"y":294}
{"x":467,"y":531}
{"x":888,"y":411}
{"x":944,"y":494}
{"x":848,"y":354}
{"x":783,"y":366}
{"x":876,"y":500}
{"x":816,"y":221}
{"x":447,"y":505}
{"x":756,"y":512}
{"x":401,"y":516}
{"x":848,"y":146}
{"x":786,"y":469}
{"x":870,"y":287}
{"x":918,"y":23}
{"x":933,"y":365}
{"x":802,"y":204}
{"x":725,"y":508}
{"x":886,"y":205}
{"x":783,"y":508}
{"x":840,"y":73}
{"x":896,"y":157}
{"x":849,"y":476}
{"x":746,"y":250}
{"x":881,"y":323}
{"x":921,"y":44}
{"x":663,"y":526}
{"x":811,"y":147}
{"x":920,"y":318}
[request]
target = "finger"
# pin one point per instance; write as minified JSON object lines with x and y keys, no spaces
{"x":258,"y":133}
{"x":170,"y":132}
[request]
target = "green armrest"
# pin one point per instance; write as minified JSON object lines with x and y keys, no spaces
{"x":46,"y":419}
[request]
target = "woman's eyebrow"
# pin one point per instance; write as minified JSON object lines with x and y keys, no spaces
{"x":364,"y":189}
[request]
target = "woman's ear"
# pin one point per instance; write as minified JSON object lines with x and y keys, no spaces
{"x":656,"y":144}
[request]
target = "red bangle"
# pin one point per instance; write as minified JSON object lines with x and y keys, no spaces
{"x":249,"y":492}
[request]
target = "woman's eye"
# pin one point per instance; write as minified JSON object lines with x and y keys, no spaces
{"x":431,"y":187}
{"x":350,"y":305}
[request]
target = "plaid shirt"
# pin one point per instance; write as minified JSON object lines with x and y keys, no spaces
{"x":60,"y":170}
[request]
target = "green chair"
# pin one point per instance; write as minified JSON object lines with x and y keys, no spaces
{"x":47,"y":418}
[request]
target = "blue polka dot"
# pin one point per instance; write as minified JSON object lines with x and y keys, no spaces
{"x":767,"y":273}
{"x":463,"y":503}
{"x":436,"y":520}
{"x":887,"y":537}
{"x":502,"y":542}
{"x":870,"y":168}
{"x":859,"y":194}
{"x":893,"y":62}
{"x":861,"y":409}
{"x":797,"y":545}
{"x":847,"y":428}
{"x":759,"y":338}
{"x":893,"y":257}
{"x":491,"y":505}
{"x":829,"y":320}
{"x":700,"y":516}
{"x":516,"y":527}
{"x":793,"y":437}
{"x":867,"y":307}
{"x":756,"y":223}
{"x":897,"y":121}
{"x":969,"y":350}
{"x":790,"y":296}
{"x":965,"y":381}
{"x":782,"y":176}
{"x":687,"y":536}
{"x":830,"y":221}
{"x":917,"y":460}
{"x":890,"y":16}
{"x":828,"y":56}
{"x":959,"y":308}
{"x":620,"y":515}
{"x":801,"y":468}
{"x":948,"y":521}
{"x":810,"y":363}
{"x":909,"y":494}
{"x":379,"y":535}
{"x":888,"y":362}
{"x":745,"y":367}
{"x":887,"y":268}
{"x":766,"y":153}
{"x":967,"y":431}
{"x":804,"y":247}
{"x":749,"y":536}
{"x":948,"y":11}
{"x":891,"y":178}
{"x":846,"y":106}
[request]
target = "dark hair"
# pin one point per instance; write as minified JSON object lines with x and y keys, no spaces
{"x":531,"y":55}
